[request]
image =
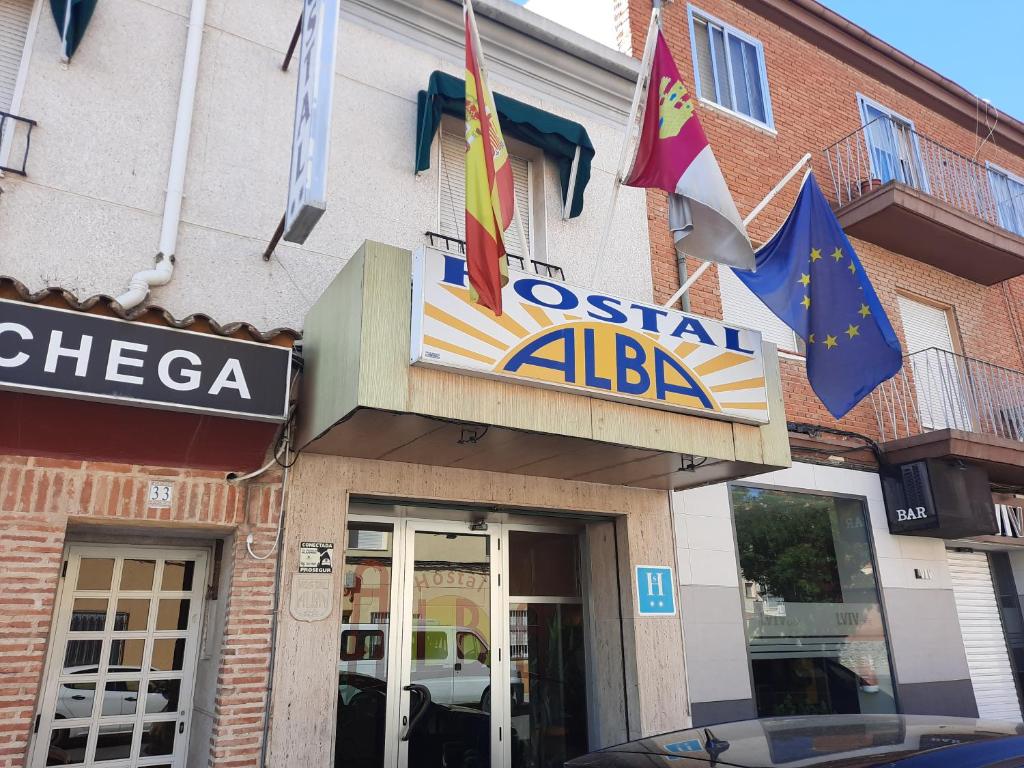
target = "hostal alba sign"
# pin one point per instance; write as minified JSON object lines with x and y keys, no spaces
{"x":554,"y":334}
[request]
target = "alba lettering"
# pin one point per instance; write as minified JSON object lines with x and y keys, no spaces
{"x":178,"y":369}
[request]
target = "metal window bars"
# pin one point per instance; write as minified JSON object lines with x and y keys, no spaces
{"x":10,"y":135}
{"x":887,"y":149}
{"x":457,"y":245}
{"x":937,"y":389}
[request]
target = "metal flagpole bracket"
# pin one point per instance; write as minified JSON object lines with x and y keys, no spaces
{"x":292,"y":44}
{"x":274,"y":240}
{"x":746,"y":222}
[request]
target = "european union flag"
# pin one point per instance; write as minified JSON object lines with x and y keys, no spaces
{"x":809,"y":275}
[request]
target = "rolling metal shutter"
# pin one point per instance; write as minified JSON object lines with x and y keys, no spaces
{"x":14,"y":20}
{"x":982,"y":628}
{"x":452,"y":196}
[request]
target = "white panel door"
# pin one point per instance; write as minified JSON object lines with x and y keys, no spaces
{"x":982,"y":628}
{"x":934,"y":366}
{"x":119,"y":676}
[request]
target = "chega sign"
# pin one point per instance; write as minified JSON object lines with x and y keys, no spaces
{"x":555,"y":334}
{"x":49,"y":351}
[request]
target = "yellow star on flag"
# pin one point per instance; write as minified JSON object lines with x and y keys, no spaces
{"x":804,"y":279}
{"x":815,"y":254}
{"x":806,"y":301}
{"x":864,"y":310}
{"x":830,"y":341}
{"x":810,"y":339}
{"x":837,"y":254}
{"x":852,"y":267}
{"x":853,"y":330}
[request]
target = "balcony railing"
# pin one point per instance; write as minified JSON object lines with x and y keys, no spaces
{"x":15,"y":142}
{"x":456,"y":245}
{"x":887,"y":150}
{"x":941,"y":390}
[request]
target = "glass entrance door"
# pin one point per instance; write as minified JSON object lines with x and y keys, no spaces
{"x":447,"y":711}
{"x":461,"y":646}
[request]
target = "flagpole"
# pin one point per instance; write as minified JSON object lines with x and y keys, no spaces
{"x":64,"y":31}
{"x":634,"y":109}
{"x":468,"y":6}
{"x":746,"y":221}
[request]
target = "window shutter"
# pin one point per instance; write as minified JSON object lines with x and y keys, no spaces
{"x":705,"y":69}
{"x":924,"y":326}
{"x":938,"y":378}
{"x":452,"y":197}
{"x":14,"y":20}
{"x":741,"y":307}
{"x":521,"y":177}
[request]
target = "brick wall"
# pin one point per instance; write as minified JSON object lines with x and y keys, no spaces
{"x":40,"y":497}
{"x":814,"y":101}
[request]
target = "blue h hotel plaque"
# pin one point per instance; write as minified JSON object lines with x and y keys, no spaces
{"x":655,"y":590}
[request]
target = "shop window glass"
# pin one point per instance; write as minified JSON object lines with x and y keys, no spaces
{"x":545,"y":564}
{"x":429,"y":646}
{"x":813,"y":620}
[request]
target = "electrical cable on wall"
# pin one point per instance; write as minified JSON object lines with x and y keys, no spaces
{"x":287,"y":465}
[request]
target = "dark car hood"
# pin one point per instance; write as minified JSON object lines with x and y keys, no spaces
{"x":840,"y":740}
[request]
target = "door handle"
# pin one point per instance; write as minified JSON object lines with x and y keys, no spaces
{"x":424,"y":693}
{"x":78,"y":697}
{"x":458,"y":666}
{"x":131,"y":698}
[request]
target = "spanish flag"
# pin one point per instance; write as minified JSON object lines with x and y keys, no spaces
{"x":490,"y":192}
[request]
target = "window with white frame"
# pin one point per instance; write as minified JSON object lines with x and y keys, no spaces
{"x":1008,"y":191}
{"x":452,"y":191}
{"x":741,"y":307}
{"x":729,"y":68}
{"x":15,"y":16}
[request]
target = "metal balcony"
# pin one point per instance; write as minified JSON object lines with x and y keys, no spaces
{"x":897,"y":188}
{"x":946,"y":405}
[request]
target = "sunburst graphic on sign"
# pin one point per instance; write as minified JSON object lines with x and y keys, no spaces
{"x":569,"y":350}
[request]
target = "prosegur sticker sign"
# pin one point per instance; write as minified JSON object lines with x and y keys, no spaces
{"x":555,"y":334}
{"x":316,"y":557}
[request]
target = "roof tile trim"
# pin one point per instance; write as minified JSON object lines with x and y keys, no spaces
{"x":107,"y":306}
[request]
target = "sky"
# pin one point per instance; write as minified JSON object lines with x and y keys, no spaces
{"x":592,"y":18}
{"x":978,"y":45}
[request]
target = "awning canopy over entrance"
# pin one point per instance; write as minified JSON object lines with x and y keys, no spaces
{"x":562,"y":140}
{"x":84,"y":380}
{"x":362,"y":397}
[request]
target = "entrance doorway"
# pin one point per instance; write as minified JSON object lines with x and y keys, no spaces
{"x":119,"y":675}
{"x":462,"y":645}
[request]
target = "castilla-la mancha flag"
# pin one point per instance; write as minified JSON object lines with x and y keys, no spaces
{"x":673,"y":154}
{"x":490,"y":190}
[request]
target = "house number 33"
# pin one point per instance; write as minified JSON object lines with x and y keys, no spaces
{"x":160,"y":494}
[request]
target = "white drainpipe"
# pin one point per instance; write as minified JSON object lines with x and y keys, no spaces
{"x":141,"y":282}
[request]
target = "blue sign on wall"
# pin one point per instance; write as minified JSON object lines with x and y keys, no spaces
{"x":655,"y":590}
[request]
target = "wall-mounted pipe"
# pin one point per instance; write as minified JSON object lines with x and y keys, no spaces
{"x":141,"y":282}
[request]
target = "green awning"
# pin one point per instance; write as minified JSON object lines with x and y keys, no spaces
{"x":559,"y":138}
{"x":71,"y":17}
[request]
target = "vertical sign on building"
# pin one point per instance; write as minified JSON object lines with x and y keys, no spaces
{"x":307,"y":179}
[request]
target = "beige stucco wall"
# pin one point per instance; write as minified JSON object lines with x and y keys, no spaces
{"x":320,"y":487}
{"x":88,"y":215}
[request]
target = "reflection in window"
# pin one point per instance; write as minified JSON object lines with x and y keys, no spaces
{"x":813,"y":620}
{"x":362,"y":668}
